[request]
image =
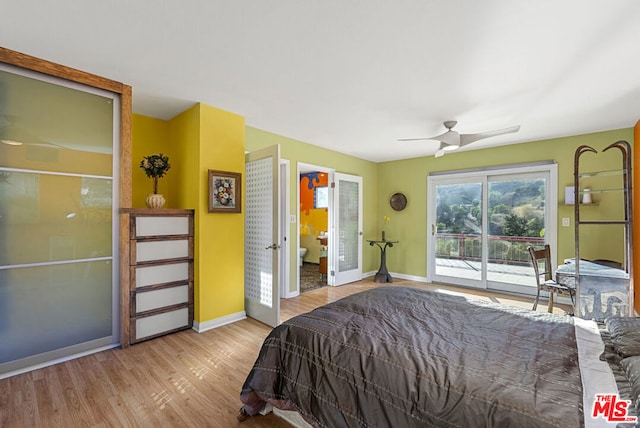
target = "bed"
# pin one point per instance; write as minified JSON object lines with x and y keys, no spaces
{"x":406,"y":357}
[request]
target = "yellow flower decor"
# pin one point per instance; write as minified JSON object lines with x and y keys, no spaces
{"x":155,"y":166}
{"x":386,"y":219}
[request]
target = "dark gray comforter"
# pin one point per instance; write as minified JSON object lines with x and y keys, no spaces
{"x":404,"y":357}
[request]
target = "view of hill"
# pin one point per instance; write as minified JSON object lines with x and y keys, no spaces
{"x":515,"y":208}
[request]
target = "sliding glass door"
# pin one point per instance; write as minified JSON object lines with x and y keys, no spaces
{"x":517,"y":219}
{"x":58,"y":287}
{"x":481,"y":223}
{"x":457,"y":231}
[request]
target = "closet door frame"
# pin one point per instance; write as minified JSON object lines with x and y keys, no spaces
{"x":28,"y":62}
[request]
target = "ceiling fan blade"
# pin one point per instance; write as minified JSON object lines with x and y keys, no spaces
{"x":413,"y":139}
{"x":451,"y":138}
{"x":470,"y":138}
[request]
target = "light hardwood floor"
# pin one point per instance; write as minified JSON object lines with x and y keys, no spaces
{"x":184,"y":379}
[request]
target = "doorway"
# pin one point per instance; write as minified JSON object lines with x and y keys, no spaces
{"x":314,"y":225}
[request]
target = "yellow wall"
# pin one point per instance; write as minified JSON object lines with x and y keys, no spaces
{"x":183,"y":135}
{"x":199,"y":139}
{"x":220,"y":236}
{"x":311,"y":225}
{"x":149,"y":136}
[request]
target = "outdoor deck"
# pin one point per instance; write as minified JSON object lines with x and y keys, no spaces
{"x":513,"y":274}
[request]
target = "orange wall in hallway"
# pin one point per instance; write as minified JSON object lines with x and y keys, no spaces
{"x":312,"y":220}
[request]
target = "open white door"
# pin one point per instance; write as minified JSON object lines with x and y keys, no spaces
{"x":346,"y":263}
{"x":261,"y":241}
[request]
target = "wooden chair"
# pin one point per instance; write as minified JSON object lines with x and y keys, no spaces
{"x":541,"y":260}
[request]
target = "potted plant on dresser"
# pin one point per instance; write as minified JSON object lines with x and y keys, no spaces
{"x":155,"y":166}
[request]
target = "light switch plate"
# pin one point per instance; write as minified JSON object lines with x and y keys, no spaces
{"x":566,"y":222}
{"x":292,"y":219}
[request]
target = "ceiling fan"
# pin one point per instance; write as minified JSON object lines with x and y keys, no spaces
{"x":452,"y":140}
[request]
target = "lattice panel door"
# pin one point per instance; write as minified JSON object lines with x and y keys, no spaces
{"x":261,"y":258}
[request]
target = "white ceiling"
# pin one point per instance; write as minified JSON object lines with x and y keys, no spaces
{"x":353,"y":76}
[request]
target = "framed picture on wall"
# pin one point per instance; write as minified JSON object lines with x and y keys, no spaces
{"x":225,"y":191}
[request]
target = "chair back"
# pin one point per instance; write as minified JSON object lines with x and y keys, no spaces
{"x":541,"y":260}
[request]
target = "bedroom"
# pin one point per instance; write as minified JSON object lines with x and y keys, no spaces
{"x":381,"y":179}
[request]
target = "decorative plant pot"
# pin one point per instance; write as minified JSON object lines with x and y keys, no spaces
{"x":155,"y":201}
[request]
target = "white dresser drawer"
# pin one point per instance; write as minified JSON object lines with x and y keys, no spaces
{"x":161,"y":250}
{"x":160,"y":298}
{"x":160,"y":323}
{"x":161,"y":274}
{"x":161,"y":226}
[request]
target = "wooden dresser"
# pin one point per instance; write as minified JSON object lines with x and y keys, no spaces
{"x":159,"y":277}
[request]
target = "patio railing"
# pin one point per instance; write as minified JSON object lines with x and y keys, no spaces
{"x":510,"y":250}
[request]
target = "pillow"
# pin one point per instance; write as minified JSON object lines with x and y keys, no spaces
{"x":625,"y":335}
{"x":609,"y":354}
{"x":631,"y":367}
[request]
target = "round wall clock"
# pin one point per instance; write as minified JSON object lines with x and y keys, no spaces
{"x":398,"y":201}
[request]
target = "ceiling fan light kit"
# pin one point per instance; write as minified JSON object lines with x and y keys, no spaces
{"x":451,"y":140}
{"x":449,"y":147}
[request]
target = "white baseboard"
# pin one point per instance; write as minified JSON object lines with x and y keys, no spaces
{"x":218,"y":322}
{"x":291,"y":294}
{"x":398,"y":275}
{"x":409,"y":277}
